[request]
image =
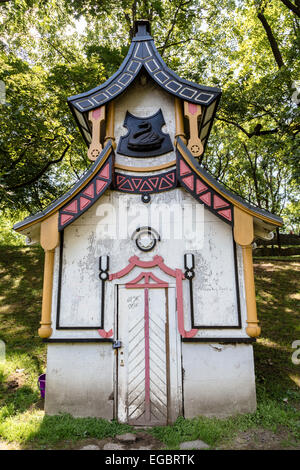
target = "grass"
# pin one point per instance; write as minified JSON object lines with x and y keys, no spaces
{"x":23,"y":423}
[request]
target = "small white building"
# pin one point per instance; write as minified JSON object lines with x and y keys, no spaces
{"x":149,"y":306}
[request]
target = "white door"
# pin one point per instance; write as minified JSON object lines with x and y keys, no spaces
{"x":148,"y":364}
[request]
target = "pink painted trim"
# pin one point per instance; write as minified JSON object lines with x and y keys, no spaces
{"x":179,"y":300}
{"x":84,"y":202}
{"x":123,"y":271}
{"x":147,"y":355}
{"x":97,"y":113}
{"x":100,"y":185}
{"x":192,"y":108}
{"x":105,"y":334}
{"x":72,"y":207}
{"x":219,"y":202}
{"x":104,"y":173}
{"x":158,"y":283}
{"x":64,"y":218}
{"x":157,"y":261}
{"x":226,"y":213}
{"x":135,"y":261}
{"x":189,"y":181}
{"x":184,"y":169}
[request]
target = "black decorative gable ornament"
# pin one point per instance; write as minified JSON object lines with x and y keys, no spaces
{"x":145,"y":137}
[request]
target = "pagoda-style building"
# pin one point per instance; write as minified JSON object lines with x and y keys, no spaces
{"x":149,"y":308}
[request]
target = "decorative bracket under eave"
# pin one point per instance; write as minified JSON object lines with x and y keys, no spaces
{"x":193,"y":113}
{"x":96,"y":117}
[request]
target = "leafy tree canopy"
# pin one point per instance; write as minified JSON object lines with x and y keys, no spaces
{"x":50,"y":50}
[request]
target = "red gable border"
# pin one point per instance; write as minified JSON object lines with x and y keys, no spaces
{"x":202,"y":192}
{"x":145,"y":184}
{"x":87,"y":196}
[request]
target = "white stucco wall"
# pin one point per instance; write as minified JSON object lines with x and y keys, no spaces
{"x":218,"y":379}
{"x":80,"y":379}
{"x":80,"y":376}
{"x":96,"y":233}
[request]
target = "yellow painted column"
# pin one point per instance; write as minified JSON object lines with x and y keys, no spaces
{"x":179,"y":123}
{"x":110,"y":124}
{"x":244,"y":235}
{"x":49,"y":239}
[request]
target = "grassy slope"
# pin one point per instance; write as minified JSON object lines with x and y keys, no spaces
{"x":22,"y":421}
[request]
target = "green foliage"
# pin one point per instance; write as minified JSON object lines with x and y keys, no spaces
{"x":51,"y":50}
{"x":49,"y":430}
{"x":269,"y":415}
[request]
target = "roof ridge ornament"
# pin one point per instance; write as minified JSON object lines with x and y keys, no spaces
{"x":143,"y":55}
{"x":142,"y":28}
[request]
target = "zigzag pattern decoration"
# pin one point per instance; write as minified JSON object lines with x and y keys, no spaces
{"x":202,"y":191}
{"x":87,"y":196}
{"x":145,"y":184}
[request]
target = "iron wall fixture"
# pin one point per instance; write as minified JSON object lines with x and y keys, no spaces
{"x":103,"y":276}
{"x":145,"y":238}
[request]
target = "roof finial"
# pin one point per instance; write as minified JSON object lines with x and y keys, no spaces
{"x":142,"y":28}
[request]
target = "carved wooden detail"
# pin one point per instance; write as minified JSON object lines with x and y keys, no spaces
{"x":193,"y":112}
{"x":96,"y":116}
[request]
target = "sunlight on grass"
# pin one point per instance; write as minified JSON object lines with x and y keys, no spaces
{"x":296,"y":379}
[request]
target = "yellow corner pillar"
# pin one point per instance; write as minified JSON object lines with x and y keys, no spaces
{"x":110,"y":125}
{"x":49,"y":239}
{"x":179,"y":122}
{"x":244,"y":235}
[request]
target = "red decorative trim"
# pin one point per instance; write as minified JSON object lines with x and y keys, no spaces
{"x":135,"y":261}
{"x":87,"y":196}
{"x":157,"y":283}
{"x":200,"y":187}
{"x":201,"y":191}
{"x":147,"y":356}
{"x":105,"y":334}
{"x":72,"y":207}
{"x":145,"y":184}
{"x":206,"y":198}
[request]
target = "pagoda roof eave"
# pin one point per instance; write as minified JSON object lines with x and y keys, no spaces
{"x":236,"y":200}
{"x":75,"y":189}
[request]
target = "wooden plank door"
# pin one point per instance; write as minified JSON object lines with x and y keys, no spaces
{"x":143,"y":370}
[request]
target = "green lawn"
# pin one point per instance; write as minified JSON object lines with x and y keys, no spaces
{"x":24,"y":425}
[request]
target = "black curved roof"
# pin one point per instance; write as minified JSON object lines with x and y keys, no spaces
{"x":143,"y":54}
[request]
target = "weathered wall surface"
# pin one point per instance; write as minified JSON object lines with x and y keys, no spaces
{"x":106,"y":229}
{"x":80,"y":380}
{"x":218,"y":379}
{"x":80,"y":377}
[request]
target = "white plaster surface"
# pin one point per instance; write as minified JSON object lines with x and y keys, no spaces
{"x":79,"y":380}
{"x":218,"y":379}
{"x":172,"y":214}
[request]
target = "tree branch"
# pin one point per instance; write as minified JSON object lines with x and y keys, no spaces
{"x":295,"y":9}
{"x":256,"y":131}
{"x":42,"y":171}
{"x":181,"y":4}
{"x":271,"y":38}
